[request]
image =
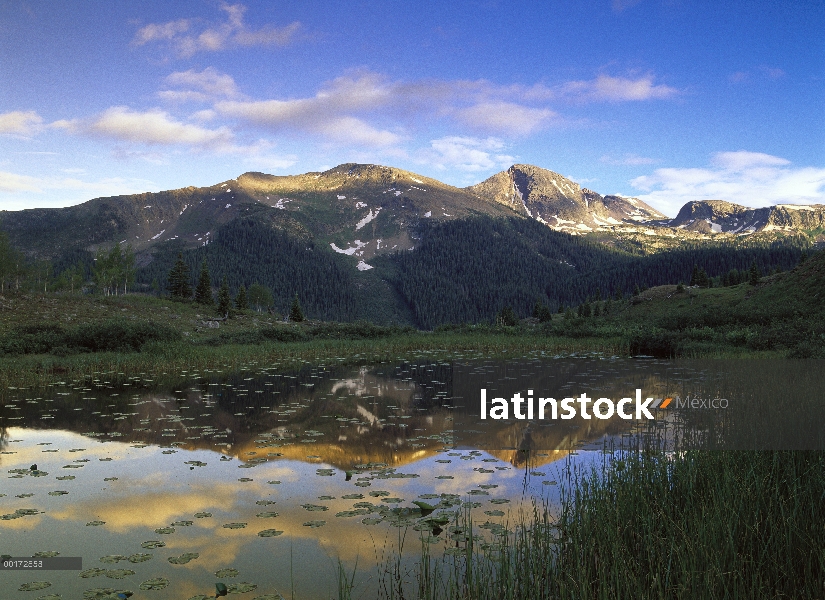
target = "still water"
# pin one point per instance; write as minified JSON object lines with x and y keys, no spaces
{"x":266,"y":481}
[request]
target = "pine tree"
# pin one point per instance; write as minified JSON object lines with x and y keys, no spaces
{"x":295,"y":313}
{"x":178,"y":280}
{"x":224,"y":300}
{"x":755,"y":274}
{"x":203,"y":292}
{"x":241,"y":302}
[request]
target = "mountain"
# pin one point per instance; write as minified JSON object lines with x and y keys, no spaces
{"x":718,"y":216}
{"x":563,"y":204}
{"x":380,"y":243}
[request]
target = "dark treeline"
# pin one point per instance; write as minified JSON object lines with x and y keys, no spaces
{"x":468,"y":270}
{"x":462,"y":271}
{"x":247,"y":252}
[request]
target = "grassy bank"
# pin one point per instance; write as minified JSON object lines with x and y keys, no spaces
{"x":699,"y":525}
{"x":159,"y":358}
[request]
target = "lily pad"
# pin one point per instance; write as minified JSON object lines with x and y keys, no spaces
{"x":269,"y":533}
{"x":152,"y":544}
{"x":266,"y":515}
{"x":245,"y":479}
{"x":112,"y":559}
{"x":233,"y":525}
{"x":50,"y":597}
{"x":165,"y":530}
{"x":353,"y":496}
{"x":181,"y":523}
{"x":66,"y":478}
{"x":139,"y":558}
{"x":241,"y":588}
{"x":33,"y":586}
{"x":499,"y":501}
{"x":58,"y":493}
{"x":265,"y":502}
{"x":93,"y":572}
{"x":372,"y":520}
{"x":183,"y":558}
{"x":46,"y":554}
{"x":226,"y":573}
{"x":203,"y":515}
{"x":315,"y":524}
{"x":95,"y":523}
{"x":157,"y":583}
{"x":494,"y":513}
{"x":119,"y":573}
{"x":104,"y":594}
{"x":314,"y":507}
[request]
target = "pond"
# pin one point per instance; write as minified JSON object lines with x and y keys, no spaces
{"x":266,"y":481}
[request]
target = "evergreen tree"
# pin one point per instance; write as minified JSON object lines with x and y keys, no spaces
{"x":542,"y":312}
{"x":224,"y":300}
{"x":754,"y":274}
{"x":241,"y":302}
{"x":295,"y":313}
{"x":178,"y":280}
{"x":203,"y":292}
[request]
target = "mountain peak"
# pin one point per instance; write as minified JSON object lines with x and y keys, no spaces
{"x":561,"y":203}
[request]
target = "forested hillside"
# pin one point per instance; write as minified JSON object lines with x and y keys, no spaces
{"x":468,"y":270}
{"x":462,"y":271}
{"x":246,"y":251}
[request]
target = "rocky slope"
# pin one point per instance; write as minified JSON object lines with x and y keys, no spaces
{"x":717,"y":216}
{"x":563,"y":204}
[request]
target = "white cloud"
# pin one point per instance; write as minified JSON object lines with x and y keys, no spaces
{"x":12,"y":182}
{"x":17,"y":191}
{"x":627,"y":160}
{"x":617,"y":89}
{"x":466,"y":154}
{"x":20,"y":123}
{"x":505,"y":117}
{"x":330,"y":113}
{"x":748,"y":178}
{"x":200,"y":86}
{"x":152,"y":127}
{"x":231,"y":33}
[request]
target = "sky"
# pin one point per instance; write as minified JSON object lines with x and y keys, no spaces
{"x":666,"y":100}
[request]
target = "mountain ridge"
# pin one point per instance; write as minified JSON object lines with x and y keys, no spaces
{"x":363,"y":210}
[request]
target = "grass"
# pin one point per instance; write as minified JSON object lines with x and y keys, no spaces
{"x":697,"y":525}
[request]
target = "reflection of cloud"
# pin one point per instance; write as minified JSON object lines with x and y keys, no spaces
{"x":231,"y":33}
{"x":127,"y":510}
{"x":749,"y":178}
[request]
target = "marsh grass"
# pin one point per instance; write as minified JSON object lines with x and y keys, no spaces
{"x":158,"y":358}
{"x":702,"y":524}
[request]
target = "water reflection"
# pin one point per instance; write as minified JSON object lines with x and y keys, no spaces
{"x":280,"y":474}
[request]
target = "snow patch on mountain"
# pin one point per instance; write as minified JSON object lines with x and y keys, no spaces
{"x":370,"y":216}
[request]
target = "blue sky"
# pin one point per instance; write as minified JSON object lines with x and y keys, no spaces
{"x":667,"y":100}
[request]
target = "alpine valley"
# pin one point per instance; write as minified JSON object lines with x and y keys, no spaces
{"x":390,"y":246}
